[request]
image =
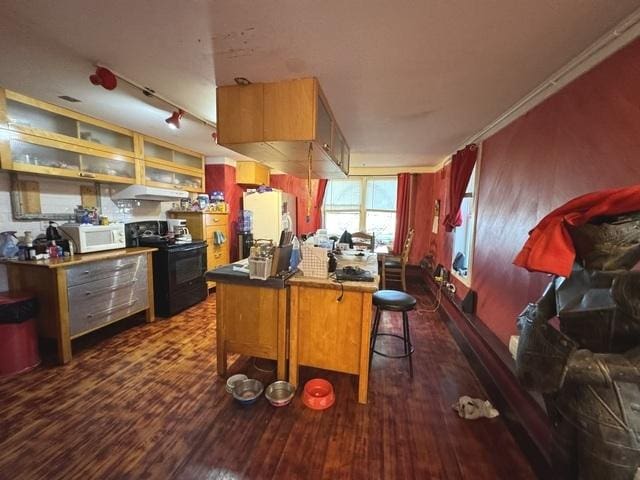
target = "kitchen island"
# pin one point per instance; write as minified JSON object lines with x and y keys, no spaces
{"x":311,"y":321}
{"x":330,"y":323}
{"x":82,"y":293}
{"x":251,"y":317}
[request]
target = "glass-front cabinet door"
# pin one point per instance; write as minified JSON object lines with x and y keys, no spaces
{"x":33,"y":154}
{"x":168,"y":166}
{"x":163,"y":178}
{"x":26,"y":115}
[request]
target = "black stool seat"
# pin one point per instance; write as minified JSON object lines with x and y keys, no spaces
{"x":394,"y":300}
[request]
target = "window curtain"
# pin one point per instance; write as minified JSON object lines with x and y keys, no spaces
{"x":461,"y":168}
{"x":316,"y":215}
{"x":403,"y":194}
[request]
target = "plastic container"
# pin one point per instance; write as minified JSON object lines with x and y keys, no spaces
{"x":18,"y":336}
{"x":245,"y":221}
{"x":318,"y":394}
{"x":295,"y":254}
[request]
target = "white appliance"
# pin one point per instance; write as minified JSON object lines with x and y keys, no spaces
{"x":142,"y":192}
{"x":94,"y":238}
{"x":272,"y":211}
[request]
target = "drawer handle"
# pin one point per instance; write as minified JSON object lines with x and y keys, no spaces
{"x":87,"y":175}
{"x":114,"y":269}
{"x":111,"y":289}
{"x":105,"y":313}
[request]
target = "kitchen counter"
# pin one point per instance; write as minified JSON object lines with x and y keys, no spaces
{"x":227,"y":274}
{"x":79,"y":294}
{"x":330,"y":323}
{"x":369,"y":263}
{"x":82,"y":258}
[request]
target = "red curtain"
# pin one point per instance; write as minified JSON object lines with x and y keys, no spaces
{"x":461,"y":167}
{"x":402,"y":211}
{"x":316,"y":214}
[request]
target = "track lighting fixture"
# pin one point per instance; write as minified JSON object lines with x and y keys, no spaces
{"x":104,"y":77}
{"x":109,"y":80}
{"x":174,"y":120}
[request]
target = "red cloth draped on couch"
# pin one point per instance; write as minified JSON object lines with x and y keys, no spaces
{"x":462,"y":164}
{"x":402,"y":211}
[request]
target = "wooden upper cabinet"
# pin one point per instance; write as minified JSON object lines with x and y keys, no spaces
{"x":170,"y":166}
{"x":241,"y":107}
{"x":39,"y":137}
{"x":251,"y":173}
{"x":275,"y":122}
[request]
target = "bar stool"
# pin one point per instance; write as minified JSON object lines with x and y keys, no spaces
{"x":393,"y":301}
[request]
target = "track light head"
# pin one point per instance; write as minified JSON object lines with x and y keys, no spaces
{"x":174,"y":120}
{"x":104,"y":77}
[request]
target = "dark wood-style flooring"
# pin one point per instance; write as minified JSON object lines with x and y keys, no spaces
{"x":143,"y":401}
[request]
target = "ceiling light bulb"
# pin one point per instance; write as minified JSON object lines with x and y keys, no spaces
{"x":174,"y":120}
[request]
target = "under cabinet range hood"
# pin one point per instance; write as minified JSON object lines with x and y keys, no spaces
{"x":142,"y":192}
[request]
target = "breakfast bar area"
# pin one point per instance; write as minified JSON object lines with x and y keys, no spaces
{"x":297,"y":321}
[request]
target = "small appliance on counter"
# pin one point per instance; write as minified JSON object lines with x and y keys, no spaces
{"x":94,"y":238}
{"x":178,"y":267}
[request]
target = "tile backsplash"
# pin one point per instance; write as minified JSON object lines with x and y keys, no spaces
{"x":62,"y":196}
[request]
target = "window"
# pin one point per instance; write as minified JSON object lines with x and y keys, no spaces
{"x":463,"y":235}
{"x":366,"y":204}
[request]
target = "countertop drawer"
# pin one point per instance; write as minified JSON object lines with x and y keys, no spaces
{"x":215,"y":219}
{"x":120,"y":267}
{"x":84,"y":321}
{"x":126,"y":280}
{"x":104,"y":306}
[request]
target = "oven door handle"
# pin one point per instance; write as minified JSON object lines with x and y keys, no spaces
{"x":189,"y":249}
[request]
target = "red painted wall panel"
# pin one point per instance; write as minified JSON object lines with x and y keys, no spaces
{"x":582,"y":139}
{"x":298,"y":187}
{"x":223,"y":177}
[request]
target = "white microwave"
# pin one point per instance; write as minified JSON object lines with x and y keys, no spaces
{"x":95,"y":238}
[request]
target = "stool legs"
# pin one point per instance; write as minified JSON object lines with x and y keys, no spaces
{"x":374,"y":335}
{"x":407,"y":341}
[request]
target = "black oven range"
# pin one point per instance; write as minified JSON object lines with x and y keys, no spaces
{"x":178,"y":269}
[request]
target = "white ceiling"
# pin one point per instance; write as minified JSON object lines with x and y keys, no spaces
{"x":408,"y":81}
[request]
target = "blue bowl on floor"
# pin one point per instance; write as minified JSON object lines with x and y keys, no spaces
{"x":247,"y":391}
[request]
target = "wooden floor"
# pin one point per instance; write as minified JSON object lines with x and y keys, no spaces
{"x":142,"y":401}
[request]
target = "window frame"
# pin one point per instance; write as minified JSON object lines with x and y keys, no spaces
{"x":466,"y":281}
{"x":363,"y":201}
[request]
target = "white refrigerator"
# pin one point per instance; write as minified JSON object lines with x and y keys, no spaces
{"x":272,"y":211}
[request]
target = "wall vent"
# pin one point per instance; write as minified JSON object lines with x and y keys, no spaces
{"x":69,"y":99}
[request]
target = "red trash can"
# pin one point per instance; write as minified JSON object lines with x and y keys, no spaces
{"x":18,"y":334}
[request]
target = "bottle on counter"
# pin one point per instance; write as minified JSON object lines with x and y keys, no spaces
{"x":53,"y":249}
{"x":295,"y":254}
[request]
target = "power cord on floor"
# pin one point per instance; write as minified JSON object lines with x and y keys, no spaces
{"x":436,"y":305}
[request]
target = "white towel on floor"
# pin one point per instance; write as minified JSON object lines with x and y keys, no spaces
{"x":472,"y":408}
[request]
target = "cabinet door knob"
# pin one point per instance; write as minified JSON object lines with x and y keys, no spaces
{"x":325,"y":146}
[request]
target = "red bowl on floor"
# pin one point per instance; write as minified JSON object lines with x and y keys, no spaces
{"x":318,"y":394}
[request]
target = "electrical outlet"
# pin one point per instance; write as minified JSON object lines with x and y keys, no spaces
{"x":513,"y":345}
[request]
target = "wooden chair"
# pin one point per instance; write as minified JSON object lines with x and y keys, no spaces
{"x":394,"y":267}
{"x":363,"y":240}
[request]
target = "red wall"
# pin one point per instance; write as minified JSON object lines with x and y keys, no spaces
{"x":298,"y":187}
{"x":223,"y":177}
{"x":584,"y":138}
